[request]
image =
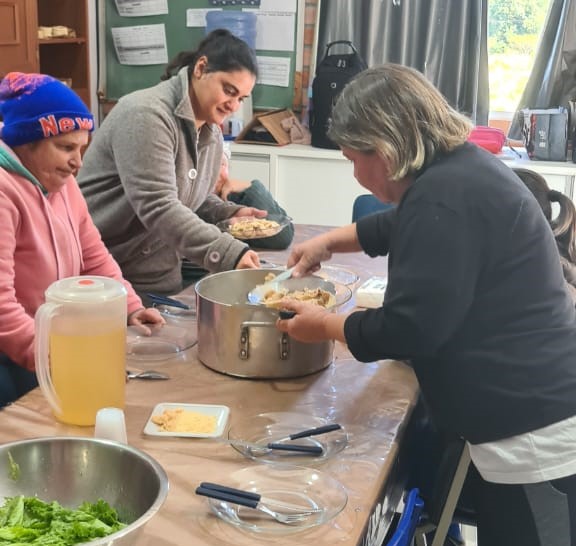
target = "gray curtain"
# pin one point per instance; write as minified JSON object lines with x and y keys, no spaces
{"x":446,"y":40}
{"x":552,"y":82}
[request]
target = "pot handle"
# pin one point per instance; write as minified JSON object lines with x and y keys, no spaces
{"x":284,"y":345}
{"x":257,"y":324}
{"x":43,"y":319}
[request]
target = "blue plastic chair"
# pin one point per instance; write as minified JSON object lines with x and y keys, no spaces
{"x":404,"y":533}
{"x":367,"y":204}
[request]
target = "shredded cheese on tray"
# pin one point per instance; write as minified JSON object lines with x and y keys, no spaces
{"x":181,"y":420}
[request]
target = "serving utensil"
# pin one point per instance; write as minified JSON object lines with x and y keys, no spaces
{"x":283,"y":444}
{"x":285,"y":275}
{"x":310,"y":432}
{"x":165,"y":300}
{"x":146,"y":374}
{"x":256,"y":295}
{"x":288,"y":519}
{"x":263,"y":448}
{"x":257,"y":497}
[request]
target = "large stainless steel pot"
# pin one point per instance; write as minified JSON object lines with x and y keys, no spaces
{"x":236,"y":338}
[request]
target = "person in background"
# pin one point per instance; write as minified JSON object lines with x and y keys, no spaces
{"x":47,"y":232}
{"x":475,"y":300}
{"x":252,"y":194}
{"x":149,"y":171}
{"x":563,"y":226}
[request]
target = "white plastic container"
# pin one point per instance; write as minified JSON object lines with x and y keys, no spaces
{"x":371,"y":293}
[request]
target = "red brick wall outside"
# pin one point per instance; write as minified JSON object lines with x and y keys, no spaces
{"x":303,"y":78}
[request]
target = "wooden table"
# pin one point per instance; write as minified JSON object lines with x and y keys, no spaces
{"x":372,"y":401}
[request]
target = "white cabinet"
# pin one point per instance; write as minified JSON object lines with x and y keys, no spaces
{"x":558,"y":182}
{"x":317,"y":191}
{"x":250,"y":167}
{"x":317,"y":186}
{"x":559,"y":175}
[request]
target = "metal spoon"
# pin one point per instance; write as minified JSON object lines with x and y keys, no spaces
{"x":146,"y":374}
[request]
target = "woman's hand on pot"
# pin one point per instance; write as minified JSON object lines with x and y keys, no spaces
{"x":250,"y":211}
{"x":307,"y":325}
{"x":307,"y":257}
{"x":250,"y":260}
{"x":143,"y":316}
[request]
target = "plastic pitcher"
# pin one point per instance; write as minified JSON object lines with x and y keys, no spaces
{"x":80,"y":347}
{"x":240,"y":23}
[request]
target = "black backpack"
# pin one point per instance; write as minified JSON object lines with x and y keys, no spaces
{"x":332,"y":74}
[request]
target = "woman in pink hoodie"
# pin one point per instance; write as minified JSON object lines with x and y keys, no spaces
{"x":47,"y":232}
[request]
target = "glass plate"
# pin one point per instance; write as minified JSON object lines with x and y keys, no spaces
{"x":248,"y":228}
{"x":338,"y":274}
{"x":269,"y":427}
{"x":165,"y":342}
{"x":304,"y":487}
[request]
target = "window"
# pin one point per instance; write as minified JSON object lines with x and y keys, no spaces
{"x":513,"y":32}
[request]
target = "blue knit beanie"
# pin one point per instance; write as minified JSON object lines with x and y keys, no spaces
{"x":36,"y":106}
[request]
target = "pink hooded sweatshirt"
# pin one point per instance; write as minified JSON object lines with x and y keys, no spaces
{"x":45,"y":237}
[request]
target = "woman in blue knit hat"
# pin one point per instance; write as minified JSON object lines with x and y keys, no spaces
{"x":47,"y":232}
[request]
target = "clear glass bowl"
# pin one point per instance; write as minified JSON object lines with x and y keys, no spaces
{"x":338,"y":274}
{"x":248,"y":228}
{"x":306,"y":487}
{"x":165,"y":342}
{"x":269,"y":427}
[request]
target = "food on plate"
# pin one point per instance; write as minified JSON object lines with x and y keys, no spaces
{"x":181,"y":420}
{"x":317,"y":296}
{"x":254,"y":228}
{"x":31,"y":520}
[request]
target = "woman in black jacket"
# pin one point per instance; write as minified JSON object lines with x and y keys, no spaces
{"x":476,"y":300}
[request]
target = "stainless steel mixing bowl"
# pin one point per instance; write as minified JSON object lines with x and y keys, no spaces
{"x":72,"y":470}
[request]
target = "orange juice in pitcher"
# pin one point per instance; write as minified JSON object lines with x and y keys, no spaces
{"x":80,"y":347}
{"x":88,"y":373}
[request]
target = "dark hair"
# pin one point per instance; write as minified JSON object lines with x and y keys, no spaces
{"x":224,"y":51}
{"x":564,"y":226}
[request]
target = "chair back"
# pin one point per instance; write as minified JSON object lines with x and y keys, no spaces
{"x":367,"y":204}
{"x":441,"y":506}
{"x":404,"y":533}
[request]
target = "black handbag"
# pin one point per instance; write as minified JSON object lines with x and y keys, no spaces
{"x":332,"y":74}
{"x":545,"y":133}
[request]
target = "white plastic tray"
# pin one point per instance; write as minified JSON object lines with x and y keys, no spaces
{"x":220,"y":412}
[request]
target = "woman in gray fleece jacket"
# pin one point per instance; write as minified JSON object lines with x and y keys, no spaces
{"x":149,"y":172}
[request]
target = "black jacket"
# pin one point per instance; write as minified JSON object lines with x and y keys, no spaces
{"x":476,"y":299}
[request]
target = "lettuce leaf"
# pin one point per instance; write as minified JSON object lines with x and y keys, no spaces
{"x":28,"y":521}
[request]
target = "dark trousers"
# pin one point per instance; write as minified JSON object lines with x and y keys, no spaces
{"x":15,"y":381}
{"x":537,"y":514}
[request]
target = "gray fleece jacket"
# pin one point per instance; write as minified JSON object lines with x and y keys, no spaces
{"x":148,"y":176}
